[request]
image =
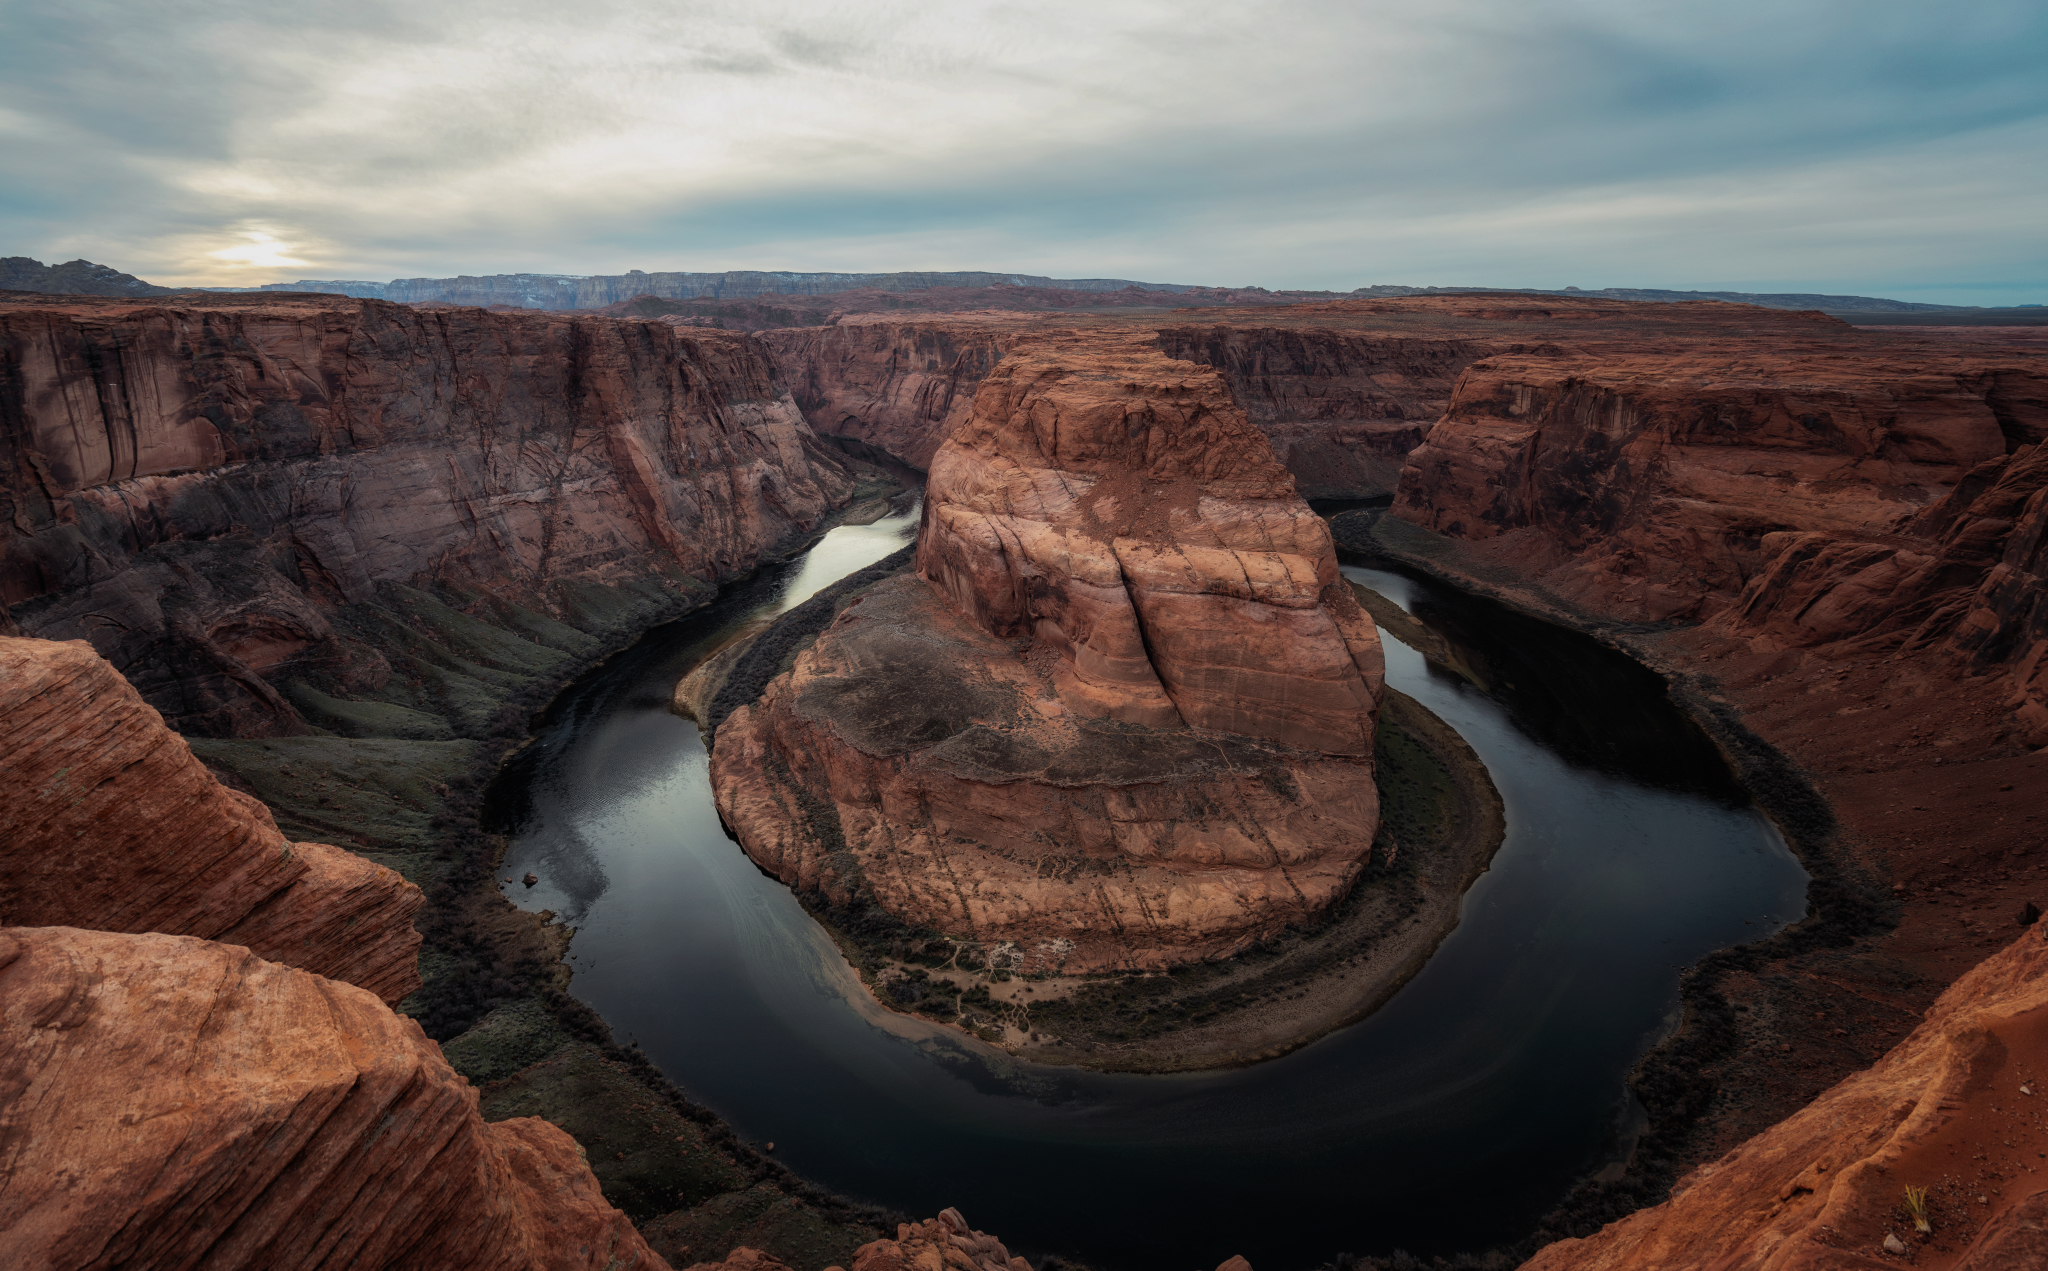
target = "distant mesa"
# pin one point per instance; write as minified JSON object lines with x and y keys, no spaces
{"x":598,"y":291}
{"x":73,"y":278}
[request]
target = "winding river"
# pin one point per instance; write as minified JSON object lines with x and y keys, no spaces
{"x":1451,"y":1119}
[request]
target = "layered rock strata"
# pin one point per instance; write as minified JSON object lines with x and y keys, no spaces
{"x":1342,"y":404}
{"x":172,"y":1102}
{"x":1123,"y":713}
{"x":1658,"y":479}
{"x":1342,"y":407}
{"x":1953,"y":1109}
{"x":901,"y":387}
{"x":197,"y":487}
{"x":1966,"y":577}
{"x":1811,"y":493}
{"x":109,"y":822}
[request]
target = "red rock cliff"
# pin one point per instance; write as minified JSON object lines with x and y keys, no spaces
{"x":191,"y":487}
{"x":902,"y":387}
{"x":1796,"y":487}
{"x":1954,"y":1108}
{"x":172,"y":1102}
{"x":107,"y":821}
{"x":1124,"y":717}
{"x":1342,"y":407}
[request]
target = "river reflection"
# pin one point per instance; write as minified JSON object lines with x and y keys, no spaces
{"x":1449,"y":1120}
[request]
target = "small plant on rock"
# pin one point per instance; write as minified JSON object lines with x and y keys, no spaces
{"x":1916,"y":1209}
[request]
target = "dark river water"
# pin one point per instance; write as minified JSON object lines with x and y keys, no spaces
{"x":1449,"y":1120}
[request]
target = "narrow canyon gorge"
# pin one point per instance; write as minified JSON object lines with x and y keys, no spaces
{"x":291,"y":587}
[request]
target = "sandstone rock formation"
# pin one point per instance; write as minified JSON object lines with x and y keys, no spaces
{"x":902,"y":387}
{"x":107,"y":821}
{"x":945,"y":1243}
{"x":196,"y":486}
{"x":1658,"y":476}
{"x":1967,"y":576}
{"x":1342,"y":406}
{"x":1122,"y":716}
{"x":172,"y":1102}
{"x":1342,"y":397}
{"x":1800,"y":489}
{"x":1954,"y":1108}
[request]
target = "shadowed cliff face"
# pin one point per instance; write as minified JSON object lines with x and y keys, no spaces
{"x":220,"y":497}
{"x":1342,"y":408}
{"x":1122,"y":717}
{"x":899,"y":387}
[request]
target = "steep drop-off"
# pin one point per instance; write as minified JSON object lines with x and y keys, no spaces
{"x":1342,"y":407}
{"x":1122,"y":716}
{"x":107,"y":821}
{"x":178,"y":1103}
{"x":1829,"y":539}
{"x":1648,"y":482}
{"x":221,"y":497}
{"x":1956,"y":1108}
{"x":901,"y":387}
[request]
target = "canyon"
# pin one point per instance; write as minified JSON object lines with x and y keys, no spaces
{"x":339,"y":550}
{"x":237,"y":503}
{"x":1123,"y":713}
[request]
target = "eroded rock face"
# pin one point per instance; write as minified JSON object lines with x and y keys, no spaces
{"x":194,"y":486}
{"x":1342,"y":404}
{"x":902,"y":387}
{"x":1797,"y":493}
{"x":1122,"y":716}
{"x":1342,"y":407}
{"x":108,"y":821}
{"x":173,"y":1102}
{"x":1658,"y":477}
{"x":945,"y":1243}
{"x":1968,"y":576}
{"x":1944,"y":1110}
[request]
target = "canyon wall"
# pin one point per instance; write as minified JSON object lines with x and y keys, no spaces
{"x":1793,"y":490}
{"x":202,"y":491}
{"x":1342,"y":407}
{"x":902,"y":387}
{"x":107,"y":821}
{"x":173,"y":1102}
{"x":1123,"y":714}
{"x":1955,"y":1108}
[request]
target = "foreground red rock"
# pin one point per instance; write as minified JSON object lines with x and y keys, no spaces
{"x":945,"y":1243}
{"x":175,"y":1103}
{"x":1954,"y":1108}
{"x":1122,"y":716}
{"x":108,"y":821}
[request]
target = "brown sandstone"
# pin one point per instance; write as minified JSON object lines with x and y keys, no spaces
{"x":108,"y":821}
{"x":177,"y":1103}
{"x":1957,"y":1107}
{"x":1123,"y":714}
{"x":1838,"y":536}
{"x":901,"y":387}
{"x":195,"y":486}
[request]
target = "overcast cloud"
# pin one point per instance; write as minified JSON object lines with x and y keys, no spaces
{"x":1872,"y":147}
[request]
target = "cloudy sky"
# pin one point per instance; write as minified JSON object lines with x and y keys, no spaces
{"x":1864,"y":146}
